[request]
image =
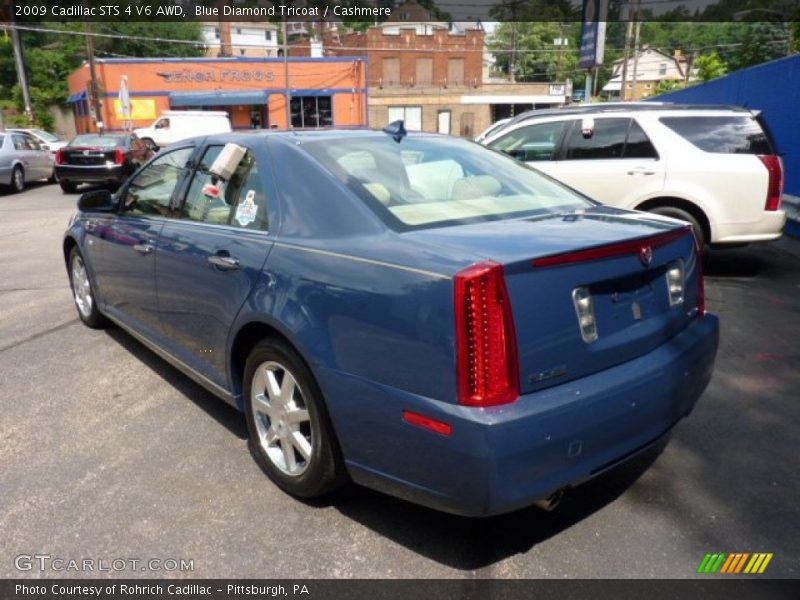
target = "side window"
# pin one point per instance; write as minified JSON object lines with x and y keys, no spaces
{"x":534,"y":142}
{"x":608,"y":140}
{"x":150,"y":192}
{"x":20,"y":142}
{"x":241,"y":201}
{"x":638,"y":145}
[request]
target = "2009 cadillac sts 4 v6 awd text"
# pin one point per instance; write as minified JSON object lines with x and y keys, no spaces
{"x":415,"y":313}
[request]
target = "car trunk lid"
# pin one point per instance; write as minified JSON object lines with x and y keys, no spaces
{"x":618,"y":261}
{"x":87,"y":155}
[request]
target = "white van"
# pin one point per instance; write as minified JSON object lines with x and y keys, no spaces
{"x":176,"y":125}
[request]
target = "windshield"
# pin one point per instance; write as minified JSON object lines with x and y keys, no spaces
{"x":426,"y":181}
{"x":45,"y":135}
{"x":97,"y":141}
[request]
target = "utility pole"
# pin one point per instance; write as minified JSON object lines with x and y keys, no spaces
{"x":19,"y":64}
{"x":94,"y":89}
{"x":635,"y":58}
{"x":626,"y":56}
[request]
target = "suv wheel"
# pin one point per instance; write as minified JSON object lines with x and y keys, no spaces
{"x":68,"y":187}
{"x":682,"y":215}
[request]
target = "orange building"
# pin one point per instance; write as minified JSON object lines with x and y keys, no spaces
{"x":325,"y":92}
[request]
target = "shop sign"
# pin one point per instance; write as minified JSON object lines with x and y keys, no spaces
{"x":217,"y":75}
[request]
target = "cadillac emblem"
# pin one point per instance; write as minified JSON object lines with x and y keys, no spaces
{"x":646,"y":255}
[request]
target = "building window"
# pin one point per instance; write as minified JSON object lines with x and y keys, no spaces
{"x":238,"y":31}
{"x":216,"y":32}
{"x":311,"y":111}
{"x":241,"y":51}
{"x":268,"y":35}
{"x":648,"y":86}
{"x":410,"y":115}
{"x":391,"y":71}
{"x":443,"y":126}
{"x":662,"y":69}
{"x":455,"y":71}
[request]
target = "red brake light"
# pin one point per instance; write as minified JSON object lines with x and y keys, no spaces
{"x":775,"y":185}
{"x":59,"y":157}
{"x":701,"y":286}
{"x":487,"y":369}
{"x":611,"y":250}
{"x":119,"y":156}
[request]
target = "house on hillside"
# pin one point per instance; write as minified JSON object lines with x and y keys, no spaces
{"x":650,"y":67}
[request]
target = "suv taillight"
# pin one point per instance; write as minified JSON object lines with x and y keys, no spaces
{"x":775,"y":185}
{"x":59,"y":157}
{"x":486,"y":350}
{"x":119,"y":156}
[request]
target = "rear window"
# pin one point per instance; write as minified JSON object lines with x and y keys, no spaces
{"x":97,"y":141}
{"x":432,"y":181}
{"x":722,"y":135}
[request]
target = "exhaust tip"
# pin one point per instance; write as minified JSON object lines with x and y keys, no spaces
{"x":551,"y":502}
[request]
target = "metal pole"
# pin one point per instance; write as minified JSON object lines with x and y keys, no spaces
{"x":19,"y":64}
{"x":287,"y":93}
{"x":625,"y":58}
{"x":635,"y":58}
{"x":93,"y":87}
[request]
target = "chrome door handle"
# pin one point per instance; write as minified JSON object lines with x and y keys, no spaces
{"x":226,"y":263}
{"x":641,"y":171}
{"x":143,"y":249}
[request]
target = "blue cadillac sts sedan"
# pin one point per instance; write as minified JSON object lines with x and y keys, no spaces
{"x":415,"y":313}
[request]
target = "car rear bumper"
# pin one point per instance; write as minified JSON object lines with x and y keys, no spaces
{"x":91,"y":174}
{"x":768,"y":227}
{"x":504,"y":458}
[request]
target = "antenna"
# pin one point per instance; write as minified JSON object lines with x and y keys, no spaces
{"x":396,"y":129}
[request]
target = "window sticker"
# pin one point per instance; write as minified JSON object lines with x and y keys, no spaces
{"x":246,"y":211}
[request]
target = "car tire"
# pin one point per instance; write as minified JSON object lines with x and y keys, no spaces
{"x":682,"y":215}
{"x":291,"y":436}
{"x":82,"y":292}
{"x":53,"y":177}
{"x":68,"y":187}
{"x":17,"y":179}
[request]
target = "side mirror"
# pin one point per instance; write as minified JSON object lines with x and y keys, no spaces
{"x":97,"y":201}
{"x":587,"y":128}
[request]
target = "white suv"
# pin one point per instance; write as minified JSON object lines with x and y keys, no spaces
{"x":712,"y":166}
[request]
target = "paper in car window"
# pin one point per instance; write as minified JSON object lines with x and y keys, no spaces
{"x":246,"y":211}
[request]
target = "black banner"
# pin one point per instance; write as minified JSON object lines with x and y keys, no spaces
{"x":403,"y":589}
{"x":39,"y":11}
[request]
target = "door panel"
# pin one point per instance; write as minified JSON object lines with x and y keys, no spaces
{"x":208,"y":261}
{"x":617,"y":165}
{"x":122,"y":247}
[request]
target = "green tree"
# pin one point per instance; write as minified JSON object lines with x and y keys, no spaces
{"x":709,"y":66}
{"x":538,"y":58}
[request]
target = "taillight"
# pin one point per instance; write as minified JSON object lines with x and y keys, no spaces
{"x":775,"y":185}
{"x":486,"y":349}
{"x":119,"y":156}
{"x":59,"y":157}
{"x":698,"y":273}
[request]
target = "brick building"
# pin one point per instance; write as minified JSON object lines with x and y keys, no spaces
{"x":430,"y":75}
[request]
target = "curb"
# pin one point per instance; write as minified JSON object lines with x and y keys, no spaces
{"x":791,"y":204}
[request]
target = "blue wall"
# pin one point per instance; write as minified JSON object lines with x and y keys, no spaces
{"x":774,"y":89}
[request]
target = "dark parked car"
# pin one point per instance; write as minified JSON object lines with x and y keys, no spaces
{"x":107,"y":159}
{"x":416,"y":313}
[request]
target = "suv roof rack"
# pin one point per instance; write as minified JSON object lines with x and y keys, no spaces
{"x":605,"y":107}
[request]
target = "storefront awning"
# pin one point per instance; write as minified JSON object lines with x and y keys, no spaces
{"x":177,"y":99}
{"x":77,"y":97}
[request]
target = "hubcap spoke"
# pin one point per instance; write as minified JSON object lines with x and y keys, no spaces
{"x":300,"y":442}
{"x":262,"y":405}
{"x":297,"y":416}
{"x":288,"y":455}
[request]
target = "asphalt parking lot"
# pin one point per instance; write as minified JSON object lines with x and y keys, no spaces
{"x":107,"y":452}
